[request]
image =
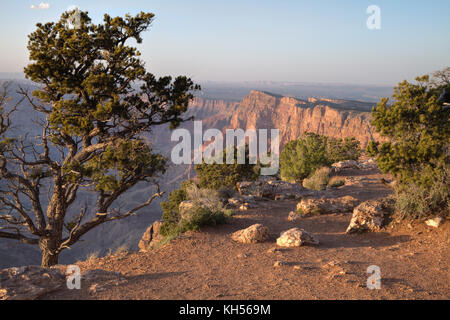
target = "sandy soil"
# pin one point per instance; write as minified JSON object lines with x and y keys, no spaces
{"x":413,"y":258}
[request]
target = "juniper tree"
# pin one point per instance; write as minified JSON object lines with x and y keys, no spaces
{"x":96,"y":100}
{"x":418,"y":129}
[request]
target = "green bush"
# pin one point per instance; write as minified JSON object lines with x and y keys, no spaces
{"x":417,"y":128}
{"x":216,"y":176}
{"x":170,"y":208}
{"x":372,"y":148}
{"x":340,"y":150}
{"x":303,"y":156}
{"x":207,"y":209}
{"x":319,"y":180}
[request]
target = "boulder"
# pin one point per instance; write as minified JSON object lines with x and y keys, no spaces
{"x":253,"y":234}
{"x":313,"y":206}
{"x":371,"y":215}
{"x":368,"y":164}
{"x":29,"y":283}
{"x":151,"y":237}
{"x":256,"y":188}
{"x":295,"y":238}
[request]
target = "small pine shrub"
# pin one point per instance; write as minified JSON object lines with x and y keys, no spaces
{"x":319,"y":180}
{"x":336,"y":182}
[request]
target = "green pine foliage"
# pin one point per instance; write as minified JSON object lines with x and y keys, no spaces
{"x":216,"y":176}
{"x":302,"y":157}
{"x":417,"y":128}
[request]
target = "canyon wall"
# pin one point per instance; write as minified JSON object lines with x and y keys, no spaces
{"x":293,"y":117}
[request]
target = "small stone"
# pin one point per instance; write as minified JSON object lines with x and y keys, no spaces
{"x":279,"y":264}
{"x":244,"y":207}
{"x":435,"y":223}
{"x":293,"y":216}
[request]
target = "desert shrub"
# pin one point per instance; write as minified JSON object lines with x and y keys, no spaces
{"x":217,"y":175}
{"x":416,"y":201}
{"x":91,"y":257}
{"x":340,"y":150}
{"x":226,"y":192}
{"x":122,"y":249}
{"x":416,"y":152}
{"x":318,"y":180}
{"x":301,"y":157}
{"x":372,"y":148}
{"x":202,"y":217}
{"x":336,"y":182}
{"x":207,"y":209}
{"x":170,"y":207}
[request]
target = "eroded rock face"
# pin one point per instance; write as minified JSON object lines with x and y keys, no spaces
{"x":253,"y":234}
{"x":296,"y":237}
{"x":295,"y":117}
{"x":151,"y":237}
{"x":29,"y":283}
{"x":313,"y":206}
{"x":371,"y":215}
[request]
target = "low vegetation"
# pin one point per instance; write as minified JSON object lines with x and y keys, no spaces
{"x":318,"y":180}
{"x":206,"y":208}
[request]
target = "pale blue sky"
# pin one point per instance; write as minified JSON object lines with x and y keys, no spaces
{"x":282,"y":40}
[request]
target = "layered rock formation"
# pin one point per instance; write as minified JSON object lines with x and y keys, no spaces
{"x":294,"y":117}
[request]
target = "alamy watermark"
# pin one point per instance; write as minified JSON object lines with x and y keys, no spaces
{"x":73,"y":281}
{"x":374,"y":20}
{"x":257,"y":140}
{"x":374,"y":281}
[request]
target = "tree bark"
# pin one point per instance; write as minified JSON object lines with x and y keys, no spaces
{"x":49,"y":253}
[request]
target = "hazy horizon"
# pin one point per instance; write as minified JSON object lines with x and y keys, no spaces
{"x":283,"y":41}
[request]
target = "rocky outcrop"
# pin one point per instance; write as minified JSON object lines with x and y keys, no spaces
{"x":371,"y":215}
{"x":29,"y":283}
{"x":295,"y":238}
{"x":253,"y":234}
{"x":315,"y":206}
{"x":368,"y":164}
{"x":270,"y":189}
{"x":294,"y":117}
{"x":151,"y":237}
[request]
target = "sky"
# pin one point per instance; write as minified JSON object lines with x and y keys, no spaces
{"x":324,"y":41}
